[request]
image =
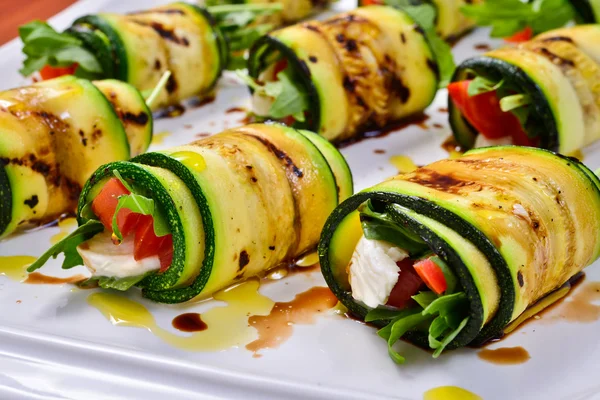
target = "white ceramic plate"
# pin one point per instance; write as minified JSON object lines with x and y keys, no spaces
{"x":54,"y":345}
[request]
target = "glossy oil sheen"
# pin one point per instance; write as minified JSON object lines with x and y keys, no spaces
{"x":227,"y":325}
{"x":15,"y":267}
{"x":450,"y":393}
{"x":403,"y":164}
{"x":191,"y":160}
{"x":66,"y":226}
{"x":308,"y":260}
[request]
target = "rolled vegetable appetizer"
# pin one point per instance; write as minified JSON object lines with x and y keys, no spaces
{"x":450,"y":22}
{"x":54,"y":135}
{"x":451,"y":254}
{"x":542,"y":93}
{"x":194,"y":219}
{"x":292,"y":10}
{"x":354,"y":72}
{"x":193,"y":43}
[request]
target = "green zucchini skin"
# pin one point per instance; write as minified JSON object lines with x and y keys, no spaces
{"x":101,"y":49}
{"x":288,"y":182}
{"x":435,"y":192}
{"x":497,"y":69}
{"x":117,"y":49}
{"x":585,"y":11}
{"x":349,"y":94}
{"x":5,"y":200}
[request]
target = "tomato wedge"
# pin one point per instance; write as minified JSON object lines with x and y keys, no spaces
{"x":484,"y":113}
{"x":146,"y":243}
{"x":407,"y":286}
{"x":521,"y":36}
{"x":50,"y":72}
{"x":432,"y":275}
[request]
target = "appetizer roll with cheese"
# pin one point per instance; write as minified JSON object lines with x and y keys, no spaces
{"x":193,"y":43}
{"x":454,"y":252}
{"x":54,"y":135}
{"x":543,"y":93}
{"x":451,"y":23}
{"x":351,"y":73}
{"x":189,"y":221}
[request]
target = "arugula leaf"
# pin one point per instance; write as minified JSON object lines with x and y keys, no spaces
{"x":445,"y":304}
{"x":507,"y":17}
{"x":437,"y":329}
{"x":381,"y":226}
{"x":424,"y":15}
{"x":425,"y":298}
{"x":289,"y":98}
{"x":122,"y":284}
{"x":139,"y":204}
{"x":45,"y":46}
{"x":242,"y":25}
{"x":68,"y":246}
{"x":450,"y":338}
{"x":399,"y":328}
{"x":481,"y":85}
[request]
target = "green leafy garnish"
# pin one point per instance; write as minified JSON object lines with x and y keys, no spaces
{"x":242,"y":25}
{"x":289,"y":98}
{"x":381,"y":226}
{"x":481,"y":85}
{"x":446,"y":316}
{"x":425,"y":16}
{"x":138,"y":204}
{"x":68,"y":246}
{"x":122,"y":284}
{"x":507,"y":17}
{"x":45,"y":46}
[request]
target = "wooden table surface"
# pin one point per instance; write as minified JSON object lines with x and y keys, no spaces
{"x":18,"y":12}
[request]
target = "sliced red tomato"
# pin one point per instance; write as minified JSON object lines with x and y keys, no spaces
{"x":147,"y":244}
{"x":407,"y":286}
{"x":372,"y":2}
{"x":521,"y":36}
{"x":432,"y":275}
{"x":280,"y":66}
{"x":484,"y":113}
{"x":50,"y":72}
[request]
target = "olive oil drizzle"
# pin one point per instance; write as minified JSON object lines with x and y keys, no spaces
{"x":228,"y":325}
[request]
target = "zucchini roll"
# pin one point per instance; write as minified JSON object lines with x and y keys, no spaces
{"x":194,"y":219}
{"x":340,"y":77}
{"x":192,"y":43}
{"x":140,"y":47}
{"x":543,"y":93}
{"x":451,"y":23}
{"x":54,"y":135}
{"x":450,"y":254}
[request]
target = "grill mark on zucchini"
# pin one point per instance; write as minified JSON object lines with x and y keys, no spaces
{"x":165,"y":33}
{"x":446,"y":183}
{"x":293,"y":169}
{"x":555,"y":58}
{"x":558,"y":39}
{"x":365,"y":84}
{"x":280,"y":154}
{"x":32,"y":201}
